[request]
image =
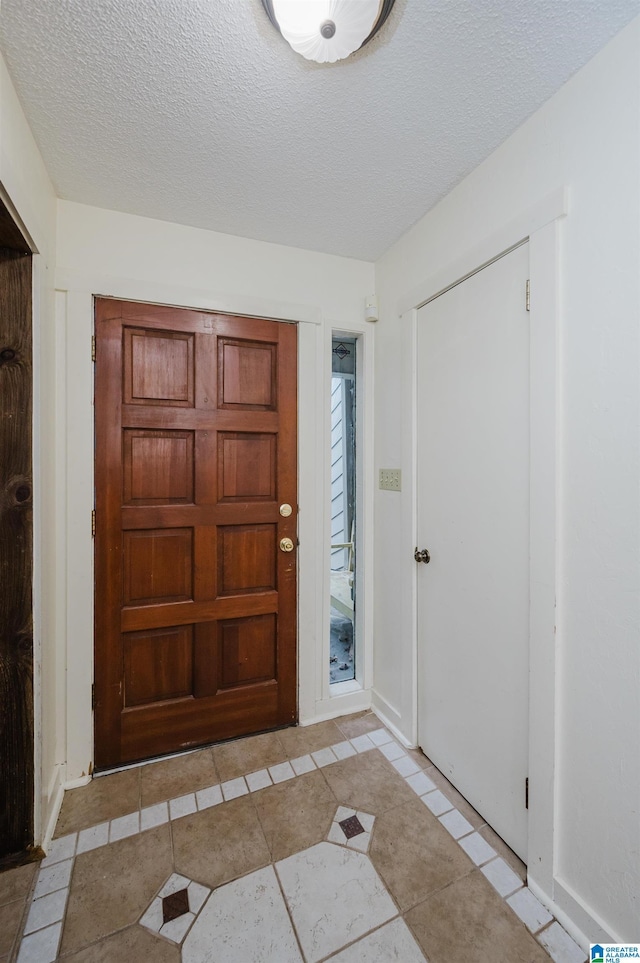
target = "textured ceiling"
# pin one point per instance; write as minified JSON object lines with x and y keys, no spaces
{"x":196,"y":111}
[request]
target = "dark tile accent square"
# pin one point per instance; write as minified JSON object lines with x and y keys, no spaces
{"x":351,"y":827}
{"x":175,"y":905}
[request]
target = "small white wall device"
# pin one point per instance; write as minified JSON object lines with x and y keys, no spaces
{"x":371,"y":307}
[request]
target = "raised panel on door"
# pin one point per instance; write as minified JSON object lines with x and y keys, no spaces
{"x":237,"y":653}
{"x":158,"y":467}
{"x":246,"y":466}
{"x":473,"y":517}
{"x":246,"y":558}
{"x":158,"y":665}
{"x":157,"y":566}
{"x":246,"y":374}
{"x":247,"y":651}
{"x":196,"y":441}
{"x":158,"y":367}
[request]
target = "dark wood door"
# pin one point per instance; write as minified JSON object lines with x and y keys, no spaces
{"x":196,"y":445}
{"x":16,"y":556}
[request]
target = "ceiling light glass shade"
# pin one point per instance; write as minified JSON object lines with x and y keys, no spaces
{"x":327,"y":30}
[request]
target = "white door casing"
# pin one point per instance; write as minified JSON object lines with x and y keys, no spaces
{"x":473,"y":506}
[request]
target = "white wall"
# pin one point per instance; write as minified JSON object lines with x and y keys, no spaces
{"x":28,"y":191}
{"x":105,"y":253}
{"x":586,"y":138}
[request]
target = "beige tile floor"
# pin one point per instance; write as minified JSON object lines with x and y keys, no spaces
{"x":243,"y":818}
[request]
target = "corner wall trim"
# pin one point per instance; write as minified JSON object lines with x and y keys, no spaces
{"x":390,"y":717}
{"x":582,"y":917}
{"x":585,"y":932}
{"x":56,"y":792}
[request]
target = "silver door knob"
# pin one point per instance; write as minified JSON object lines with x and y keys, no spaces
{"x":422,"y":556}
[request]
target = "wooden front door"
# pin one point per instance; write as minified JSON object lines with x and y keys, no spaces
{"x":195,"y":600}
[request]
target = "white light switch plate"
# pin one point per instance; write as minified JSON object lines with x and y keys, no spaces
{"x":390,"y":479}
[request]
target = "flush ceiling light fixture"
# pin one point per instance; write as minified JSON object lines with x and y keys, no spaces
{"x":327,"y":30}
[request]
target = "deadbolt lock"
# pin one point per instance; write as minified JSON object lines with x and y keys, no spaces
{"x":285,"y":510}
{"x":286,"y":545}
{"x":422,"y":556}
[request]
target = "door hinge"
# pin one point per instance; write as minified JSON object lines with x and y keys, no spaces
{"x":93,"y":523}
{"x":93,"y":347}
{"x":527,"y":297}
{"x":93,"y":695}
{"x":526,"y":793}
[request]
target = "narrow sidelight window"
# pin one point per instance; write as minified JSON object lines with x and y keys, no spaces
{"x":342,"y":659}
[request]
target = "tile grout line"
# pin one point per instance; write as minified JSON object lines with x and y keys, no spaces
{"x":26,"y":908}
{"x":395,"y":754}
{"x":347,"y":946}
{"x":288,"y":909}
{"x":29,"y":939}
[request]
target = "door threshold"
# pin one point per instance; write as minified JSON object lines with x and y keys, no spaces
{"x":96,"y":774}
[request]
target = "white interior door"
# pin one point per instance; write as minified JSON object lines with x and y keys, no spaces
{"x":473,"y":517}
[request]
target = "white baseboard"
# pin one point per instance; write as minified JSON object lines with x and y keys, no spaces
{"x":52,"y":805}
{"x":584,"y":916}
{"x":77,"y":783}
{"x":573,"y":916}
{"x":57,"y":788}
{"x":390,"y":717}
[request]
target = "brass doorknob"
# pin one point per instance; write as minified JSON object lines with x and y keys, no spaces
{"x":286,"y":545}
{"x":422,"y":556}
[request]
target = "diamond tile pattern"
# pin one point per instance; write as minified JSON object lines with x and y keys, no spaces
{"x":288,"y":869}
{"x":351,"y":827}
{"x":173,"y":910}
{"x":175,"y":905}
